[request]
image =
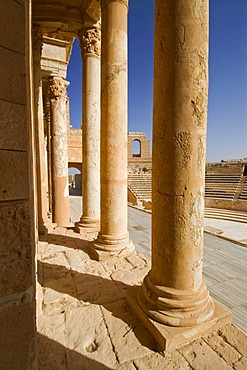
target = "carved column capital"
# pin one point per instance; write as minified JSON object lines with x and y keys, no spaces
{"x":106,"y":2}
{"x":58,"y":87}
{"x":90,"y":41}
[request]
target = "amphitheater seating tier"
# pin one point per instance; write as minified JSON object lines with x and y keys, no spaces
{"x":219,"y":186}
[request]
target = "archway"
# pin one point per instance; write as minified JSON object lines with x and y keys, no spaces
{"x":136,"y":148}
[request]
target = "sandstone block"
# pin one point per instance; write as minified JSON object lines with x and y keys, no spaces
{"x":13,"y":13}
{"x":13,"y":121}
{"x":17,"y":327}
{"x":201,"y":357}
{"x":14,"y":174}
{"x":168,"y":360}
{"x":129,"y":338}
{"x":235,"y":338}
{"x":15,"y":253}
{"x":13,"y":90}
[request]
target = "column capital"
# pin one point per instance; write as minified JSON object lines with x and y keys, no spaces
{"x":106,"y":2}
{"x":90,"y":41}
{"x":58,"y":87}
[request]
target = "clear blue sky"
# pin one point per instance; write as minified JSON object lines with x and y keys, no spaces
{"x":227,"y":113}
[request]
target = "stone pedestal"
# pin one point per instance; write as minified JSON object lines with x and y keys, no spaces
{"x":113,"y":236}
{"x":173,"y":293}
{"x":59,"y":148}
{"x":90,"y":49}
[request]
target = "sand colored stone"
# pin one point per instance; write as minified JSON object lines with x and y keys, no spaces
{"x":60,"y":191}
{"x":90,"y":50}
{"x":80,"y":325}
{"x":113,"y":235}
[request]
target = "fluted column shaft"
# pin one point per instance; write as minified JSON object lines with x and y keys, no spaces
{"x":173,"y":292}
{"x":90,"y":50}
{"x":59,"y":147}
{"x":113,"y":235}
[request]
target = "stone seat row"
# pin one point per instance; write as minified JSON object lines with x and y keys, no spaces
{"x":223,"y":186}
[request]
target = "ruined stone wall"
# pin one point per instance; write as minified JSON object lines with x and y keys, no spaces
{"x":145,"y":159}
{"x":74,"y":146}
{"x":17,"y":236}
{"x":234,"y":167}
{"x":75,"y":149}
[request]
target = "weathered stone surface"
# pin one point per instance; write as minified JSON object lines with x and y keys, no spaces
{"x":96,"y":289}
{"x":129,"y":338}
{"x":241,"y":365}
{"x":14,"y":173}
{"x":200,"y":356}
{"x":90,"y":47}
{"x":113,"y":235}
{"x":126,"y":366}
{"x":171,"y":361}
{"x":225,"y":350}
{"x":17,"y":332}
{"x":15,"y":253}
{"x":14,"y":15}
{"x":12,"y":91}
{"x":129,"y":277}
{"x":13,"y":133}
{"x":235,"y":338}
{"x":86,"y":333}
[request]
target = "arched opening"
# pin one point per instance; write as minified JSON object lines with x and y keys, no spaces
{"x":75,"y":181}
{"x":136,"y":148}
{"x":75,"y":192}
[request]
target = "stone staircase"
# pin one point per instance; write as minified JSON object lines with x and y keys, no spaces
{"x":225,"y":214}
{"x":222,"y":186}
{"x":243,"y":190}
{"x":141,"y":185}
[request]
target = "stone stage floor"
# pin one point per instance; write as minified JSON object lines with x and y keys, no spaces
{"x":85,"y":322}
{"x":225,"y":263}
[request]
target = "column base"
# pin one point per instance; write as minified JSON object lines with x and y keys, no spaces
{"x":87,"y":225}
{"x":169,"y":337}
{"x":105,"y":247}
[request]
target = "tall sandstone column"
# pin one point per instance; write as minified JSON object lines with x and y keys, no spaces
{"x":113,"y":235}
{"x":173,"y":292}
{"x":90,"y":50}
{"x":41,"y":175}
{"x":59,"y":147}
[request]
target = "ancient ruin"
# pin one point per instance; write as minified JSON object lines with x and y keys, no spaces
{"x":63,"y":291}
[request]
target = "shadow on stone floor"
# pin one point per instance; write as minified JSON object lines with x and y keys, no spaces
{"x":54,"y":356}
{"x":72,"y":243}
{"x":96,"y":290}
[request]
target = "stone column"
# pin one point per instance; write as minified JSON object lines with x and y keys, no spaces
{"x":113,"y":235}
{"x":39,"y":134}
{"x":173,"y":293}
{"x":90,"y":50}
{"x":59,"y":147}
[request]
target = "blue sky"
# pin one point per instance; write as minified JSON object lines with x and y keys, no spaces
{"x":227,"y":113}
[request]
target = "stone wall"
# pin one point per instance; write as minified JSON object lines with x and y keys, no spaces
{"x":75,"y":147}
{"x":145,"y":159}
{"x":226,"y":167}
{"x":17,"y":236}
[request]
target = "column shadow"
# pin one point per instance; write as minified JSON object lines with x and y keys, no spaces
{"x":96,"y":290}
{"x":53,"y":355}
